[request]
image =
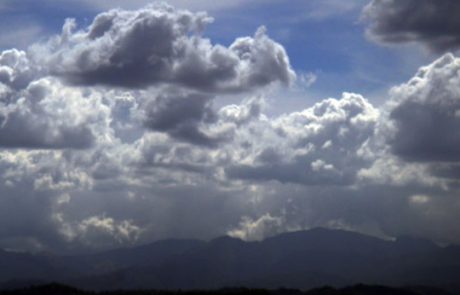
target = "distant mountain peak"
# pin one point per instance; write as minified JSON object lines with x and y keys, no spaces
{"x":301,"y":259}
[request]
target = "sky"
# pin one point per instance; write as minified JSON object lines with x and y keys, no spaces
{"x":126,"y":122}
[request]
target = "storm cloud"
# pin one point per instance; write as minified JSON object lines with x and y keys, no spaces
{"x":159,"y":44}
{"x":180,"y":115}
{"x":430,"y":22}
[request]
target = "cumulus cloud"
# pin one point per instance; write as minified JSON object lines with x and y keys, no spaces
{"x":416,"y":140}
{"x":16,"y":71}
{"x":256,"y":230}
{"x":180,"y":115}
{"x":315,"y":146}
{"x":415,"y":143}
{"x":159,"y":44}
{"x":432,"y":23}
{"x":45,"y":120}
{"x":135,"y":49}
{"x":101,"y":231}
{"x":424,"y":115}
{"x":191,"y":117}
{"x":34,"y":114}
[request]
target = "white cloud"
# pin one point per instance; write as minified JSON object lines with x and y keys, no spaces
{"x":290,"y":147}
{"x":259,"y":229}
{"x":419,"y":199}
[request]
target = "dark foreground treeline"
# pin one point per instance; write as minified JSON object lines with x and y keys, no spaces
{"x":58,"y":289}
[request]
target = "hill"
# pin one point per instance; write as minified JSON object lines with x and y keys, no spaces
{"x":302,"y":260}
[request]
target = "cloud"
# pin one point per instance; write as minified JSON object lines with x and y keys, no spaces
{"x":180,"y":115}
{"x":424,"y":114}
{"x":256,"y":230}
{"x":105,"y":142}
{"x":318,"y":146}
{"x":16,"y":71}
{"x":191,"y":117}
{"x":434,"y":24}
{"x":156,"y":45}
{"x":416,"y":140}
{"x":100,"y":231}
{"x":121,"y":143}
{"x":34,"y":113}
{"x":315,"y":146}
{"x":161,"y":45}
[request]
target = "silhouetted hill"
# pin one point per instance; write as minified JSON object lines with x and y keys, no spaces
{"x":302,"y":260}
{"x":146,"y":255}
{"x":19,"y":266}
{"x":22,"y":269}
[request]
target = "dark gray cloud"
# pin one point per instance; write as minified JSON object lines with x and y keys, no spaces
{"x":425,"y":114}
{"x":36,"y":135}
{"x":191,"y":117}
{"x":159,"y":44}
{"x":446,"y":170}
{"x":434,"y":23}
{"x":180,"y":115}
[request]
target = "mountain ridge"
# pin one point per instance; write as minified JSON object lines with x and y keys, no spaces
{"x":302,"y":260}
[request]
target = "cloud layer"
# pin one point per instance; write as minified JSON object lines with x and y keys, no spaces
{"x":122,"y":132}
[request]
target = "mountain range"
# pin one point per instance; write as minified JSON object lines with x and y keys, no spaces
{"x":302,"y":260}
